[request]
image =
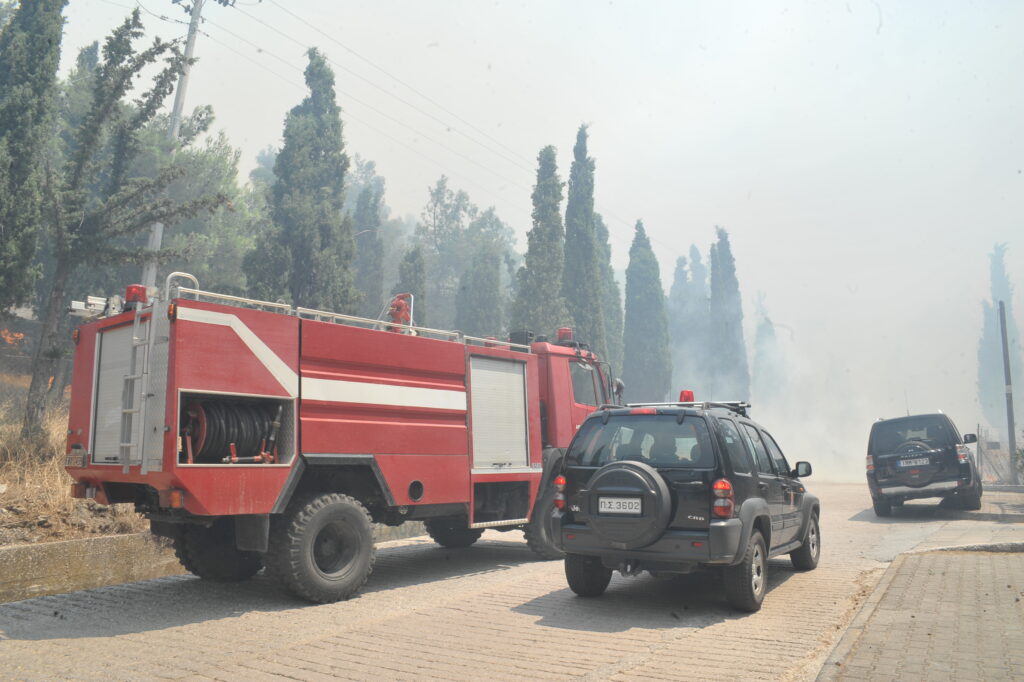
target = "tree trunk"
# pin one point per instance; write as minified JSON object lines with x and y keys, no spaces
{"x":48,"y":352}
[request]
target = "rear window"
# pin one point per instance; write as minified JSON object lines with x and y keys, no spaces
{"x":658,"y":440}
{"x":931,"y":429}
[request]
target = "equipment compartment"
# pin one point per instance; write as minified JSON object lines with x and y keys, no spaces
{"x":234,"y":430}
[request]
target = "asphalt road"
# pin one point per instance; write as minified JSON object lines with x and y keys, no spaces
{"x":487,"y":612}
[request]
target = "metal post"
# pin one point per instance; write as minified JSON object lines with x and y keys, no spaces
{"x":1009,"y":396}
{"x":156,"y":230}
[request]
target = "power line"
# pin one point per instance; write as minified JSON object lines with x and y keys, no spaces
{"x":378,"y":111}
{"x":436,"y":119}
{"x":348,"y":115}
{"x":401,"y":82}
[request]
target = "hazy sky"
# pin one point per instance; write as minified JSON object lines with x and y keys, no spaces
{"x":864,"y":156}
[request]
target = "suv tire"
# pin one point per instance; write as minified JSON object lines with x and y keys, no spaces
{"x":452,"y":533}
{"x":210,"y":553}
{"x":970,"y":499}
{"x":882,"y":507}
{"x":806,"y":558}
{"x":586,"y":575}
{"x":746,"y":582}
{"x":323,"y":549}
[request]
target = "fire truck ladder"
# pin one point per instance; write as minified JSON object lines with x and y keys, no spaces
{"x":133,"y":416}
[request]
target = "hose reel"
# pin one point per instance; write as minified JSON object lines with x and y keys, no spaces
{"x":226,"y":431}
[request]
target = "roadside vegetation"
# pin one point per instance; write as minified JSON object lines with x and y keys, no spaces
{"x":35,"y":494}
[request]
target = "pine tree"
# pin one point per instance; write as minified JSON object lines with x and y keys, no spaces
{"x":96,"y":200}
{"x":991,"y":374}
{"x":310,"y":231}
{"x":412,"y":279}
{"x":539,"y":304}
{"x":611,"y":297}
{"x":730,"y":374}
{"x":647,"y":366}
{"x":581,"y":283}
{"x":479,"y":304}
{"x":29,"y":56}
{"x":369,"y":262}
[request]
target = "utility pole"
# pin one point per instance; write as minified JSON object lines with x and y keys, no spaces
{"x":156,"y":230}
{"x":1014,"y":478}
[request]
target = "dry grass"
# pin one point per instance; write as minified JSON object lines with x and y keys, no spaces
{"x":35,"y":494}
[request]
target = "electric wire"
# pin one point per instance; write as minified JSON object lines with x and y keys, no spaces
{"x":382,"y":113}
{"x":404,"y":84}
{"x":387,"y":92}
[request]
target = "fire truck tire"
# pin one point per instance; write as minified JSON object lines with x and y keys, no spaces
{"x":451,"y":532}
{"x":322,"y":550}
{"x":538,"y":532}
{"x":210,"y":553}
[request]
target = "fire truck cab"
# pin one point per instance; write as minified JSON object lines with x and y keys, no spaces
{"x":254,"y":434}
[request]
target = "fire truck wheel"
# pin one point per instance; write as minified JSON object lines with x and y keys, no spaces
{"x":322,"y":550}
{"x":210,"y":553}
{"x":452,"y":532}
{"x":538,"y":533}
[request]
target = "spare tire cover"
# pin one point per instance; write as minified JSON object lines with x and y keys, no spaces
{"x":630,"y":480}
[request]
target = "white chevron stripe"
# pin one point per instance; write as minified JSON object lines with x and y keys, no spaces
{"x":328,"y":390}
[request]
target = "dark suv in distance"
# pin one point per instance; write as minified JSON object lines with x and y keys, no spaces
{"x":672,"y":488}
{"x":921,"y":456}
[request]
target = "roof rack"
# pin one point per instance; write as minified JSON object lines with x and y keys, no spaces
{"x":737,"y":406}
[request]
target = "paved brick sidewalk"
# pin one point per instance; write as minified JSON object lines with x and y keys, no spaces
{"x":952,"y":615}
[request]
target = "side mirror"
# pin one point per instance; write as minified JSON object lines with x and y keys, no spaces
{"x":970,"y":438}
{"x":619,"y":389}
{"x":803,"y":469}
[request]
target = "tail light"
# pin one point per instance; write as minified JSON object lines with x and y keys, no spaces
{"x":725,"y":499}
{"x":559,"y":492}
{"x":963,"y":453}
{"x":869,"y":462}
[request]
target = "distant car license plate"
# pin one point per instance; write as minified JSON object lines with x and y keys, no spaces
{"x":618,"y":505}
{"x":919,"y":462}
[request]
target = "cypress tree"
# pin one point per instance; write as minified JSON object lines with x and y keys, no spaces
{"x":369,"y":262}
{"x":991,"y":376}
{"x":647,"y":365}
{"x":730,"y":374}
{"x":310,"y":230}
{"x":768,"y":383}
{"x":581,"y":284}
{"x":611,"y":297}
{"x":29,"y":56}
{"x":479,"y":302}
{"x":412,"y":279}
{"x":688,"y":326}
{"x":539,"y":304}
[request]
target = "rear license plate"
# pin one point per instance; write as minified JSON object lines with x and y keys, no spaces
{"x":619,"y":505}
{"x":919,"y":462}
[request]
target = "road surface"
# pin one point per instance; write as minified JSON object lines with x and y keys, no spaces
{"x":487,"y":612}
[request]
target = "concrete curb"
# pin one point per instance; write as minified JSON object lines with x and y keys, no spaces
{"x":40,"y":569}
{"x":28,"y":571}
{"x":832,"y":667}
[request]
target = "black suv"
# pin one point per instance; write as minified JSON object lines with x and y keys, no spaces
{"x":921,"y":456}
{"x":673,"y":488}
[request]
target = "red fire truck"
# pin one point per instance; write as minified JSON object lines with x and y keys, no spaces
{"x":255,"y":434}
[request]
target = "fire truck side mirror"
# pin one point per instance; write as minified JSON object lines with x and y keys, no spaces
{"x":619,"y":389}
